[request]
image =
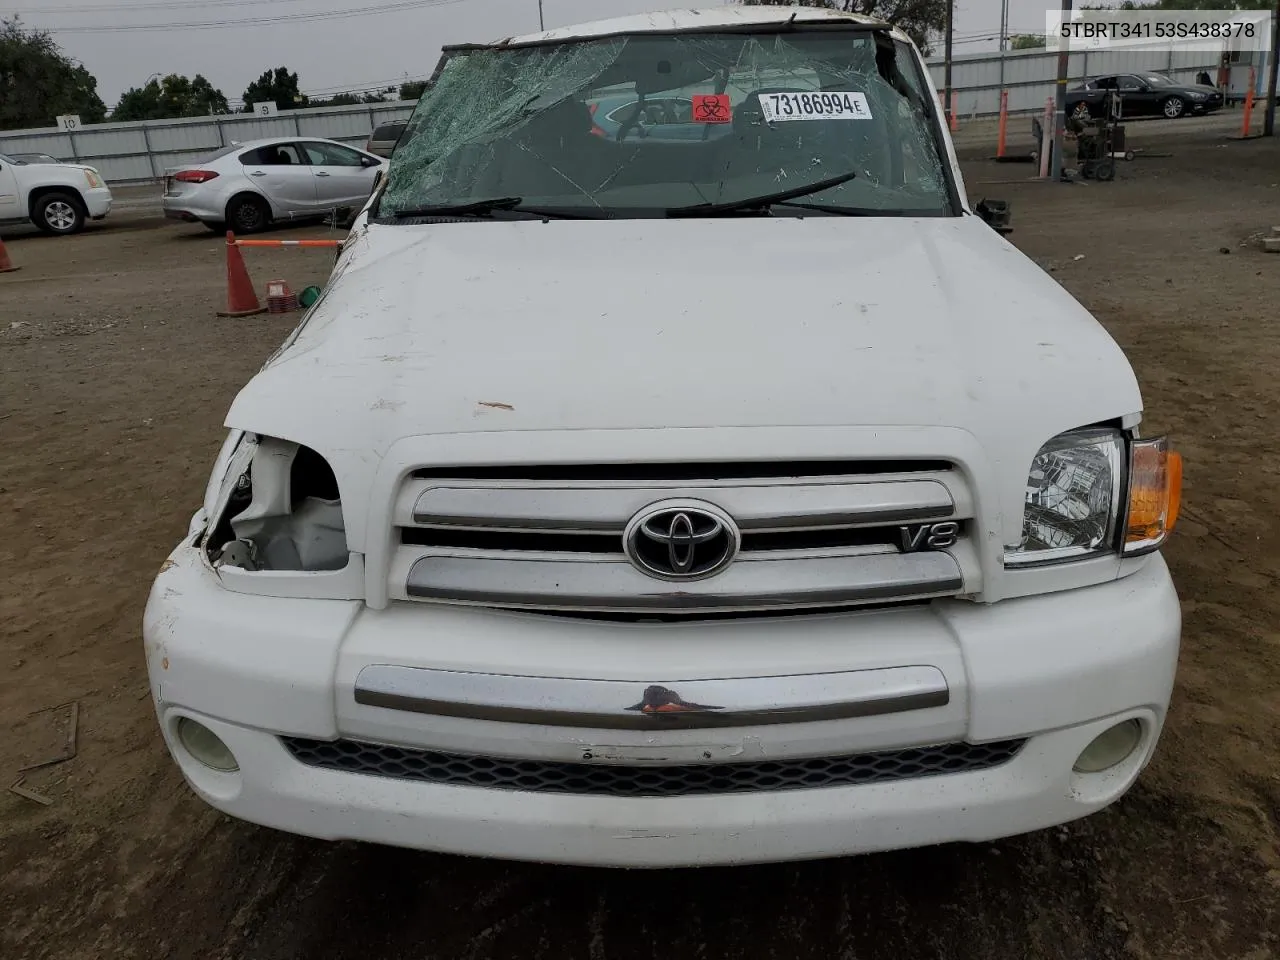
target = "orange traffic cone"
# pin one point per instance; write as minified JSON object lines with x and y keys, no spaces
{"x":241,"y":299}
{"x":6,"y":265}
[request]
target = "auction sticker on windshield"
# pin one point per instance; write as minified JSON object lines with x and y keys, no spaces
{"x":828,"y":105}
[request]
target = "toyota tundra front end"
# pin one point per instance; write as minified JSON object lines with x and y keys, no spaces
{"x":669,"y":498}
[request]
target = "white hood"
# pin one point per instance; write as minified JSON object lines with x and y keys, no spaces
{"x":571,"y":325}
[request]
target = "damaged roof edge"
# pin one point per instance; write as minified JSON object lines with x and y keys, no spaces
{"x":763,"y":19}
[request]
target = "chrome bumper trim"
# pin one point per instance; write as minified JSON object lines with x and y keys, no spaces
{"x":584,"y":582}
{"x":628,"y":705}
{"x":755,"y":507}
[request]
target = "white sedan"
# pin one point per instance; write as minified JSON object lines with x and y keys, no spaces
{"x":248,"y":186}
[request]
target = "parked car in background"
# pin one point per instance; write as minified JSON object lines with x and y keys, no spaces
{"x":249,"y":186}
{"x":384,"y":138}
{"x":56,"y":197}
{"x":1143,"y":95}
{"x":33,"y":158}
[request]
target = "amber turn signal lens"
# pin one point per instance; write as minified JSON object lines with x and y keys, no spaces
{"x":1155,"y":493}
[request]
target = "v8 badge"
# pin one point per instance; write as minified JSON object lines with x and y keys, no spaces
{"x":929,"y":536}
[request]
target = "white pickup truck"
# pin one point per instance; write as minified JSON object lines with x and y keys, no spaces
{"x":56,"y":197}
{"x":730,"y":496}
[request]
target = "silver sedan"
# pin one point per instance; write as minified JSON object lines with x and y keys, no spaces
{"x":248,"y":186}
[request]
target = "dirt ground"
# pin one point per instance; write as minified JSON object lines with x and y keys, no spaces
{"x":114,"y":379}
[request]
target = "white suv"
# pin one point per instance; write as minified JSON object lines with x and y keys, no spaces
{"x":637,"y":503}
{"x":56,"y":197}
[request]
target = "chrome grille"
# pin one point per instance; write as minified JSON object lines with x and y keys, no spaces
{"x":551,"y":538}
{"x":541,"y":776}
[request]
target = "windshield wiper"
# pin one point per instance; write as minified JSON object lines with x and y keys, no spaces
{"x":838,"y":210}
{"x":481,"y":208}
{"x":763,"y":202}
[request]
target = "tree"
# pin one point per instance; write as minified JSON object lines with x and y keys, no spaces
{"x":919,"y":19}
{"x":38,"y":82}
{"x":346,"y":100}
{"x":338,"y":100}
{"x":172,"y":96}
{"x":277,"y":86}
{"x":413,"y":90}
{"x":1026,"y":41}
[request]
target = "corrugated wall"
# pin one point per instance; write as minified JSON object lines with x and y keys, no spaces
{"x":142,"y":151}
{"x":1029,"y":74}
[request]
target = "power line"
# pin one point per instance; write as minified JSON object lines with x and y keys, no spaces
{"x":360,"y":86}
{"x":256,"y":21}
{"x":148,"y":5}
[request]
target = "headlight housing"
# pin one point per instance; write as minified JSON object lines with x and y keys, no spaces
{"x":1096,"y":491}
{"x":1072,"y":498}
{"x":91,"y":177}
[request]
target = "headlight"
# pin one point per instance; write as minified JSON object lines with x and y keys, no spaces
{"x":93,"y":179}
{"x":1199,"y":96}
{"x":1072,"y":498}
{"x":1073,"y":507}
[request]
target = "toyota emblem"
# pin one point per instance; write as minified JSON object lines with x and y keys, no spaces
{"x":681,"y":540}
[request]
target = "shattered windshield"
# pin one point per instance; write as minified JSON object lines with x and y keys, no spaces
{"x":661,"y":125}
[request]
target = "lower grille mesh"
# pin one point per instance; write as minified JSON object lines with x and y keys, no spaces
{"x":544,"y":776}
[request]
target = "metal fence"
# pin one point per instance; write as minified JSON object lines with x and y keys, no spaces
{"x":142,"y":151}
{"x":1030,"y":75}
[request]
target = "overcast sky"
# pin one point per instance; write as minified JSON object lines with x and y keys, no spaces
{"x":384,"y":42}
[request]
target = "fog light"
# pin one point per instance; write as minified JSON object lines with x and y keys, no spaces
{"x":205,"y":745}
{"x":1110,"y":747}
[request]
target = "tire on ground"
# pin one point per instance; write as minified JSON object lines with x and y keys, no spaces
{"x":59,"y":212}
{"x":248,"y":213}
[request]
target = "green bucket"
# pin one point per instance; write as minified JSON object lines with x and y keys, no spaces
{"x":308,"y":297}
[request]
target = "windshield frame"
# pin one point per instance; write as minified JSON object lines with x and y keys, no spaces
{"x":919,"y":76}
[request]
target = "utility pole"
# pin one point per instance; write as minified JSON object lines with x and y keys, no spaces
{"x":1060,"y":98}
{"x":1269,"y":121}
{"x":946,"y":63}
{"x":1004,"y":37}
{"x":541,"y":25}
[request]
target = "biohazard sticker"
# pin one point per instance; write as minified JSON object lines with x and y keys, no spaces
{"x":827,"y":105}
{"x":712,"y":108}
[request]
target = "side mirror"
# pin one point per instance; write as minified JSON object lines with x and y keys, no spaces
{"x":370,"y":162}
{"x":996,"y":214}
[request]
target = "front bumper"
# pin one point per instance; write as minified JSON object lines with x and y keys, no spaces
{"x":1057,"y":669}
{"x":97,"y":202}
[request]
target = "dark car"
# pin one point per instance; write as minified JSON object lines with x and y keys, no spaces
{"x":384,"y":138}
{"x":1143,"y":95}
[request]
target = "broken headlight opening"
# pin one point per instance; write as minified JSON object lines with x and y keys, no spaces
{"x":278,"y":509}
